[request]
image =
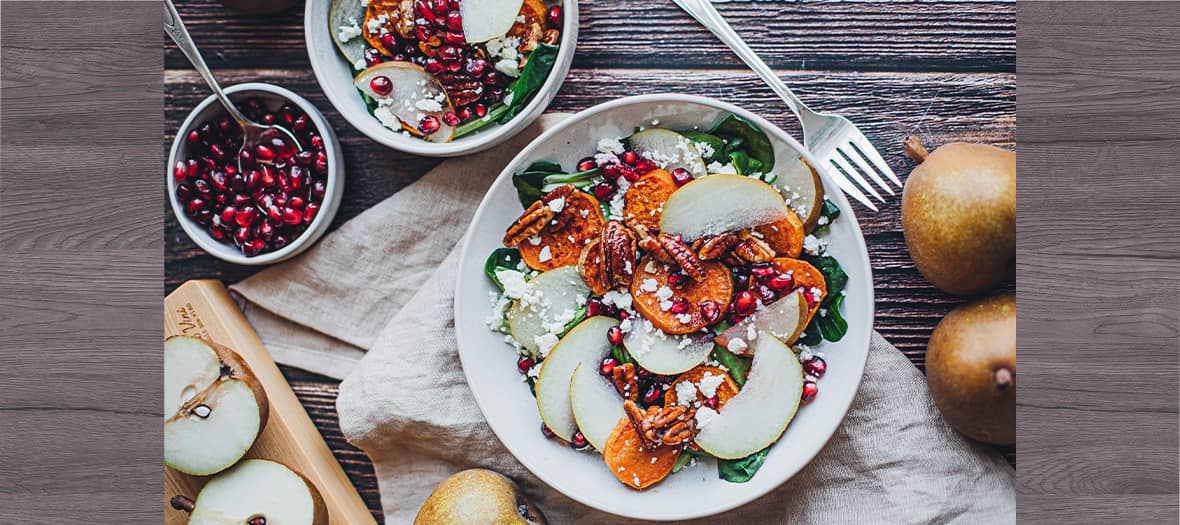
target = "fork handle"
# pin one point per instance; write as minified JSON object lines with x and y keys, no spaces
{"x":704,"y":12}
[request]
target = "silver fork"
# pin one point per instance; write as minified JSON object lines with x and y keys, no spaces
{"x":831,"y":138}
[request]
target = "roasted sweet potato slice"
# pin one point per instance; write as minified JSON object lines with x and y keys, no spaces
{"x":725,"y":391}
{"x":659,"y":307}
{"x":562,"y":246}
{"x":399,"y":17}
{"x":807,"y":277}
{"x":635,"y":466}
{"x":785,"y":236}
{"x":645,"y":199}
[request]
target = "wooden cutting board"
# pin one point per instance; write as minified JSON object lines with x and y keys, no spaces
{"x":204,"y":309}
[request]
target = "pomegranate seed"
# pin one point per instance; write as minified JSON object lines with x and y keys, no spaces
{"x":579,"y":442}
{"x":710,"y":311}
{"x":454,"y":37}
{"x":679,"y":305}
{"x":372,"y":57}
{"x":712,"y":402}
{"x":451,"y":119}
{"x":629,"y":157}
{"x":524,"y":364}
{"x":604,"y":190}
{"x":607,"y":368}
{"x":454,"y":21}
{"x":254,"y":247}
{"x":242,"y":200}
{"x":623,"y":315}
{"x":218,"y":152}
{"x":453,"y":4}
{"x":321,"y":163}
{"x":217,"y":233}
{"x":554,"y":16}
{"x":388,"y":40}
{"x":310,"y":212}
{"x":645,"y":166}
{"x":744,"y":304}
{"x":762,"y":271}
{"x":292,"y":215}
{"x":281,"y":199}
{"x":812,"y":297}
{"x":266,"y":230}
{"x":653,"y":394}
{"x":476,"y":67}
{"x":480,"y":110}
{"x":586,"y":164}
{"x":242,"y":235}
{"x":810,"y":390}
{"x":781,"y":282}
{"x":269,"y":119}
{"x":318,"y":188}
{"x":464,"y":113}
{"x":194,"y":205}
{"x":202,"y":187}
{"x":612,"y":171}
{"x":429,"y":125}
{"x":218,"y":181}
{"x":301,"y":123}
{"x":180,"y":172}
{"x":681,"y":176}
{"x":766,"y":294}
{"x":246,"y":216}
{"x":227,"y":214}
{"x":630,"y":174}
{"x":305,"y":157}
{"x":317,"y":142}
{"x":450,"y":53}
{"x":422,"y":32}
{"x":615,"y":335}
{"x":264,"y":153}
{"x":422,"y":8}
{"x":545,"y":431}
{"x":184,"y":192}
{"x":279,"y":241}
{"x":296,"y":202}
{"x":595,"y":307}
{"x":678,"y":279}
{"x":205,"y":216}
{"x":493,"y":94}
{"x":194,"y":137}
{"x":816,"y":366}
{"x":439,"y":7}
{"x":642,"y":373}
{"x":274,"y":213}
{"x":381,"y":85}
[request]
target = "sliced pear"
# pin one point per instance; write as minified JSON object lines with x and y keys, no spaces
{"x":721,"y":203}
{"x":785,"y":319}
{"x":256,"y":491}
{"x":484,"y":20}
{"x":586,"y":343}
{"x":214,"y":407}
{"x":798,"y":177}
{"x":597,"y":406}
{"x":415,"y":95}
{"x":669,"y":149}
{"x":757,"y":416}
{"x":343,"y":16}
{"x":547,"y":303}
{"x":662,"y":353}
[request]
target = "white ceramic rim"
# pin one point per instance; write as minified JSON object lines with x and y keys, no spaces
{"x":370,"y":127}
{"x":332,"y":194}
{"x":837,"y":197}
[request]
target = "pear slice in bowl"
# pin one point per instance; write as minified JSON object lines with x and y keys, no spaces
{"x":548,"y":298}
{"x":415,"y":94}
{"x":662,"y":353}
{"x":585,"y":344}
{"x":345,"y":18}
{"x":669,"y":149}
{"x":803,"y":190}
{"x":785,"y":319}
{"x":720,"y":203}
{"x":484,"y":20}
{"x":597,"y":406}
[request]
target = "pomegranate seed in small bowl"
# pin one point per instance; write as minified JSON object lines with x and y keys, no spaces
{"x":260,"y":206}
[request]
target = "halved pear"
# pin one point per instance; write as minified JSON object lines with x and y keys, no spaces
{"x":720,"y":203}
{"x":344,"y":14}
{"x":662,"y":353}
{"x":484,"y":20}
{"x":669,"y":149}
{"x":214,"y":407}
{"x":597,"y":406}
{"x":253,"y":489}
{"x":586,"y":343}
{"x":757,"y":416}
{"x":550,"y":298}
{"x":785,"y":319}
{"x":415,"y":95}
{"x":798,"y":177}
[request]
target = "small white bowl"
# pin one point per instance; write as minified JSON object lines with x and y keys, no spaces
{"x":334,"y":74}
{"x":210,"y":108}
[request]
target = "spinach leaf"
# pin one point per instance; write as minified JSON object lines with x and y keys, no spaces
{"x":739,"y":367}
{"x":744,"y":135}
{"x":473,"y":125}
{"x":831,"y":323}
{"x":529,"y":183}
{"x":834,"y":277}
{"x":715,"y":149}
{"x":741,"y":470}
{"x":811,"y":335}
{"x":740,"y":161}
{"x":583,"y":180}
{"x":621,"y":355}
{"x":831,"y":326}
{"x":829,"y":210}
{"x":501,"y":259}
{"x":532,"y":77}
{"x":686,"y":457}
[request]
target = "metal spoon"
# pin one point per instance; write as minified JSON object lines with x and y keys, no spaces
{"x":253,"y":133}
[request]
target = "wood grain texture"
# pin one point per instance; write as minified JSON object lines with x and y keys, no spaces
{"x":1097,"y":414}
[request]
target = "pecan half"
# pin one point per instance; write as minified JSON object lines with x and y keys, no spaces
{"x":551,"y":200}
{"x":530,"y":223}
{"x":683,"y":255}
{"x":649,"y":243}
{"x":715,"y":247}
{"x":626,"y":384}
{"x":679,"y":433}
{"x":592,"y":267}
{"x":754,"y":250}
{"x":551,"y":36}
{"x":657,"y":426}
{"x":618,"y":245}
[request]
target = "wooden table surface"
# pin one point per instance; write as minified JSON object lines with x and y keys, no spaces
{"x":942,"y":69}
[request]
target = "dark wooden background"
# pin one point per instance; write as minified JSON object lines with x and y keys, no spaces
{"x":943,"y":69}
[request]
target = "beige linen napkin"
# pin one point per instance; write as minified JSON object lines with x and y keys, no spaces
{"x":373,"y":301}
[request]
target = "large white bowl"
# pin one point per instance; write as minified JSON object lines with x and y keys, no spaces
{"x":211,"y":108}
{"x":490,"y":364}
{"x":334,"y":75}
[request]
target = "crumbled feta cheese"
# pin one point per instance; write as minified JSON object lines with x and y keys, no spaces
{"x":709,"y":384}
{"x":686,"y":393}
{"x":375,"y":24}
{"x":556,"y":205}
{"x":649,"y":284}
{"x":665,"y":305}
{"x":349,"y":32}
{"x":650,"y":267}
{"x":823,"y":220}
{"x":545,"y":343}
{"x":585,"y":213}
{"x":664,"y":293}
{"x":428,"y":105}
{"x":359,"y":64}
{"x":625,"y":325}
{"x":609,"y":145}
{"x":813,"y":245}
{"x":704,"y":148}
{"x":736,"y":345}
{"x":545,"y":254}
{"x":515,"y":287}
{"x":508,"y":67}
{"x":535,"y":240}
{"x":751,"y":332}
{"x":620,"y":300}
{"x":684,"y":319}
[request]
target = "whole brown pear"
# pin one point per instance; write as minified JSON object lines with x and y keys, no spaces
{"x":478,"y":497}
{"x":971,"y":368}
{"x":958,"y":212}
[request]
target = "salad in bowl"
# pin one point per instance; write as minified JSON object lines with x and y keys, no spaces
{"x":668,"y":296}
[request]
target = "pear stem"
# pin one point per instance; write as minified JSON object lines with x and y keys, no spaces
{"x":183,"y":503}
{"x":915,"y":150}
{"x":1004,"y":379}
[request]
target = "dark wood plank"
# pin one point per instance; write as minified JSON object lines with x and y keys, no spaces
{"x":942,"y":35}
{"x":1097,"y":414}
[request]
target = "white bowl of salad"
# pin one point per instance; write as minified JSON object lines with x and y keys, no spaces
{"x":440,"y":78}
{"x":661,"y":309}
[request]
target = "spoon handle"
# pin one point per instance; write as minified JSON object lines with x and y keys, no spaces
{"x":174,"y":26}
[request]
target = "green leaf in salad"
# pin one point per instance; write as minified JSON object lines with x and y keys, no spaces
{"x":811,"y":335}
{"x":583,"y":180}
{"x":834,"y":277}
{"x":716,"y":146}
{"x":476,"y":124}
{"x":501,"y":259}
{"x":831,"y":325}
{"x":741,"y":470}
{"x":739,"y":367}
{"x":740,"y":161}
{"x":829,"y":211}
{"x":686,"y":457}
{"x":741,"y":134}
{"x":830,"y":321}
{"x":621,"y":355}
{"x":536,"y":70}
{"x":529,"y":183}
